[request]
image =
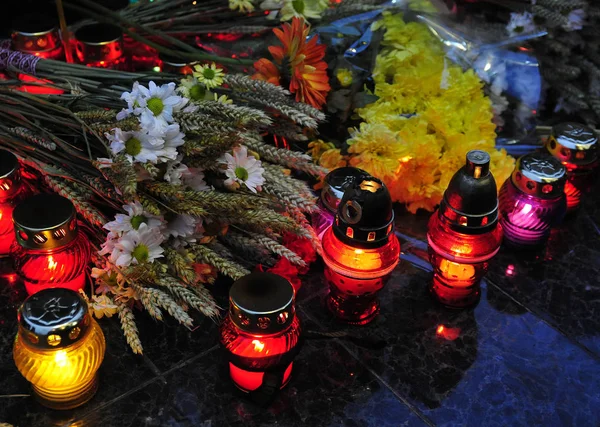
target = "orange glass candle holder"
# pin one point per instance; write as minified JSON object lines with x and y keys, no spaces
{"x":50,"y":251}
{"x":464,"y":233}
{"x":576,"y":147}
{"x":12,"y":191}
{"x":261,"y":334}
{"x":360,"y":250}
{"x":59,"y":348}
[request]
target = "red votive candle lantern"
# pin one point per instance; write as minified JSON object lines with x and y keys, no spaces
{"x":50,"y":251}
{"x":334,"y":185}
{"x":576,"y":147}
{"x":360,"y":250}
{"x":38,"y":36}
{"x":12,"y":191}
{"x":532,"y":200}
{"x":464,"y":233}
{"x":261,"y":334}
{"x":172,"y":65}
{"x":100,"y":46}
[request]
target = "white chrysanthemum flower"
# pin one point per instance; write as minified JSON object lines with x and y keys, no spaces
{"x":241,"y":5}
{"x":185,"y":230}
{"x":138,"y":246}
{"x":306,"y":9}
{"x":109,"y":246}
{"x":576,"y":20}
{"x":132,"y":98}
{"x":194,"y":179}
{"x":177,"y":173}
{"x":174,"y":172}
{"x":172,"y":138}
{"x":158,"y":105}
{"x":520,"y":23}
{"x":191,"y":88}
{"x":182,"y":226}
{"x":209,"y":75}
{"x":243,"y":169}
{"x":135,"y":217}
{"x":139,"y":146}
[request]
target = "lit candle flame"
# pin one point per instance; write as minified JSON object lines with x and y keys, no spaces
{"x":61,"y":358}
{"x":258,"y":346}
{"x":51,"y":263}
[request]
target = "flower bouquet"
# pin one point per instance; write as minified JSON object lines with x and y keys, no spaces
{"x":415,"y":115}
{"x":177,"y":182}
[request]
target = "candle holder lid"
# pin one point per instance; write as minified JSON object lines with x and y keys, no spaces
{"x":470,"y":203}
{"x":261,"y":303}
{"x":10,"y":177}
{"x":45,"y":221}
{"x":53,"y":318}
{"x":365,"y":215}
{"x":336,"y":182}
{"x":540,"y":174}
{"x":573,"y":143}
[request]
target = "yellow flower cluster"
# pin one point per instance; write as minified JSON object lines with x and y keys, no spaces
{"x":429,"y":114}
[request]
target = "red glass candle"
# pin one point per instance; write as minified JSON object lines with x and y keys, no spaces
{"x":334,"y":185}
{"x":12,"y":191}
{"x":576,"y":147}
{"x":360,"y":250}
{"x":174,"y":66}
{"x":100,"y":46}
{"x":532,"y":200}
{"x":39,"y":38}
{"x":464,"y":233}
{"x":50,"y":251}
{"x":261,"y":334}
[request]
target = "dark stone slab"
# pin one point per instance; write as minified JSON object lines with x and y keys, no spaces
{"x":329,"y":388}
{"x":474,"y":367}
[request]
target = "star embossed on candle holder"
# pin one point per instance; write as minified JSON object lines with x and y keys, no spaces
{"x":54,"y":311}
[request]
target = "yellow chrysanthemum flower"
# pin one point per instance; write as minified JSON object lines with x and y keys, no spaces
{"x":376,"y":149}
{"x":209,"y":75}
{"x":344,"y":76}
{"x":428,"y":115}
{"x":332,"y":159}
{"x":317,"y":147}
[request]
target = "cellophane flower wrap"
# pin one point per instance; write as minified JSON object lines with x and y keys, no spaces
{"x":413,"y":93}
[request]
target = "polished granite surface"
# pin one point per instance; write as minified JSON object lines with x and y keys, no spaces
{"x":528,"y":354}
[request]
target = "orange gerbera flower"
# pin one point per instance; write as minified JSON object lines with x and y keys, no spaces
{"x":298,"y":64}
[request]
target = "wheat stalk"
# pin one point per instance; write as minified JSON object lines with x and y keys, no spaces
{"x":129,"y":327}
{"x":225,"y":266}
